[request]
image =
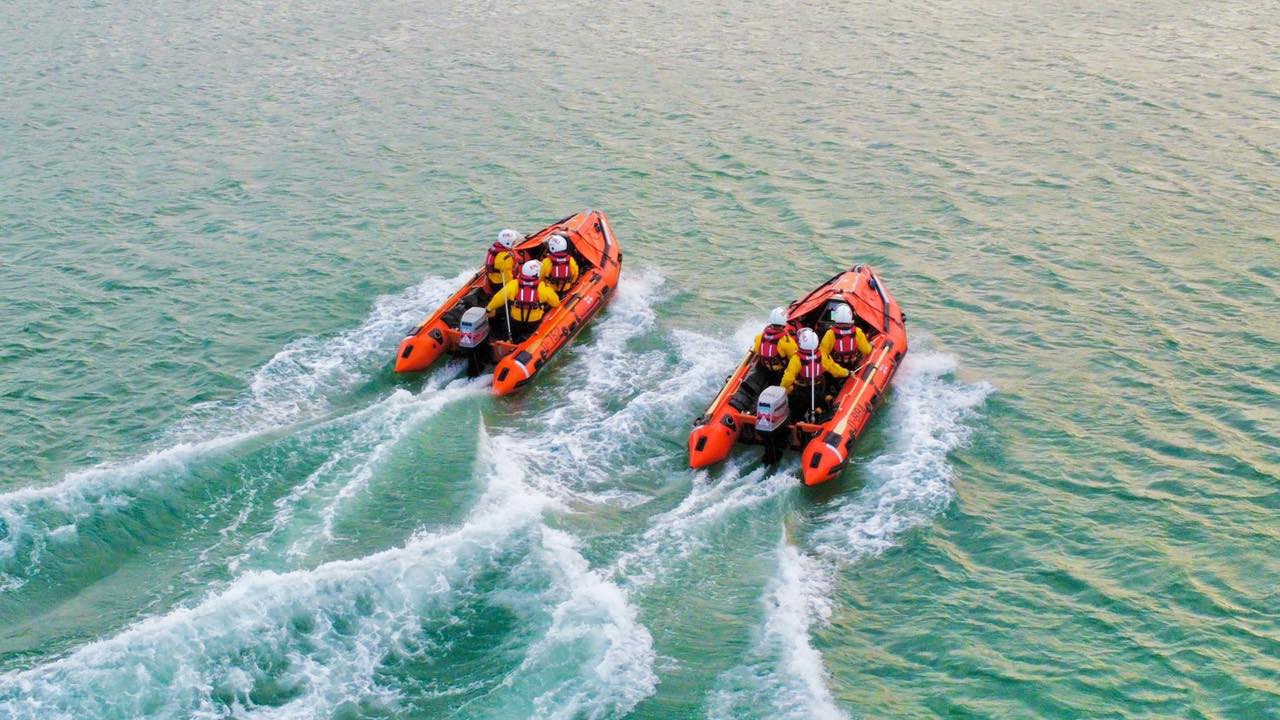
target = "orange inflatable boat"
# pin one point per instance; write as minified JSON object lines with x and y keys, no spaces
{"x":828,"y":442}
{"x":516,"y":364}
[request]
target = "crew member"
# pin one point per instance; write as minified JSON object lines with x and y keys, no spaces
{"x":559,"y":268}
{"x":808,"y":370}
{"x":527,"y":297}
{"x":500,"y":264}
{"x":774,"y":346}
{"x":845,"y":342}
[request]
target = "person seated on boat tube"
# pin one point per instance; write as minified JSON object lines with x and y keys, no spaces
{"x":525,"y":298}
{"x":559,"y":268}
{"x":807,"y":371}
{"x":845,"y":342}
{"x":500,"y":264}
{"x":774,"y":346}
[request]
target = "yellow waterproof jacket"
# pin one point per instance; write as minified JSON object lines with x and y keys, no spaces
{"x":859,"y":339}
{"x":793,"y":369}
{"x":573,"y":273}
{"x":786,"y":348}
{"x":503,"y":268}
{"x":507,"y":296}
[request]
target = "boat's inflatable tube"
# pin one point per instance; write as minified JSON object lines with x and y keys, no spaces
{"x":826,"y":445}
{"x":600,"y":262}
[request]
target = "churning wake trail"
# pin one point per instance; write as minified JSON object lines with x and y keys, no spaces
{"x":304,"y":518}
{"x":297,"y":644}
{"x":315,"y":638}
{"x":295,"y":385}
{"x":308,"y":642}
{"x":907,"y":486}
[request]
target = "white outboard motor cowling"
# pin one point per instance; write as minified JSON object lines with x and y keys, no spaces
{"x":772,"y":409}
{"x":474,"y":328}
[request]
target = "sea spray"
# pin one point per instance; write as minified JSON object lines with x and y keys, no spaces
{"x":677,"y":534}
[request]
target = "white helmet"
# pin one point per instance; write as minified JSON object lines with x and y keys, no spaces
{"x":557,"y":244}
{"x":778,"y":316}
{"x":842,"y":315}
{"x":507,"y":238}
{"x":531,"y":269}
{"x":808,"y":339}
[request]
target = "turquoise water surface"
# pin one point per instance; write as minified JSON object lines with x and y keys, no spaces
{"x":218,"y":220}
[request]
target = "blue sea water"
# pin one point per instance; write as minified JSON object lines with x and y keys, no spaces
{"x":218,"y":500}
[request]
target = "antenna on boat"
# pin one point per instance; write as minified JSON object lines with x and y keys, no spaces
{"x":813,"y":402}
{"x":506,"y":302}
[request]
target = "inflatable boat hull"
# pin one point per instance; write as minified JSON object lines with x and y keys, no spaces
{"x":825,"y":446}
{"x":517,"y":364}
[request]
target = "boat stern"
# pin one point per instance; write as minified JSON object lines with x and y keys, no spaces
{"x":823,"y":459}
{"x":711,"y":440}
{"x":513,"y":372}
{"x":421,"y":349}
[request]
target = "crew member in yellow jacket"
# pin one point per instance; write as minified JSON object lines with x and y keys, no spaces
{"x":774,"y":346}
{"x":845,"y":342}
{"x":526,"y":299}
{"x":559,"y":267}
{"x":808,"y":370}
{"x":500,"y":263}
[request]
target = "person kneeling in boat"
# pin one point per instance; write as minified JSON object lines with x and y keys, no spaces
{"x":845,"y":342}
{"x":500,"y":263}
{"x":808,"y":370}
{"x":559,"y":268}
{"x":525,"y":299}
{"x":774,"y":346}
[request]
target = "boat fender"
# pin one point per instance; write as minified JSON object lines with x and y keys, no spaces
{"x":474,"y":328}
{"x":772,"y":409}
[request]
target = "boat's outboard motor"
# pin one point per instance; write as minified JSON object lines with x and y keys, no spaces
{"x":474,"y":340}
{"x":772,"y":423}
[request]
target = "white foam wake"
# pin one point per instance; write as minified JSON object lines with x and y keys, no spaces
{"x":595,"y":659}
{"x":908,"y":485}
{"x":305,"y":517}
{"x":628,"y":399}
{"x":784,"y":676}
{"x":677,"y":534}
{"x":306,"y":643}
{"x":310,"y":642}
{"x":296,"y":384}
{"x":912,"y":482}
{"x":298,"y":644}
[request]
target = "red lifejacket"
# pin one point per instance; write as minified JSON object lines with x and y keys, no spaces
{"x":810,"y":365}
{"x":494,"y":251}
{"x":846,"y":345}
{"x":561,"y":272}
{"x":527,"y":293}
{"x":769,"y":353}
